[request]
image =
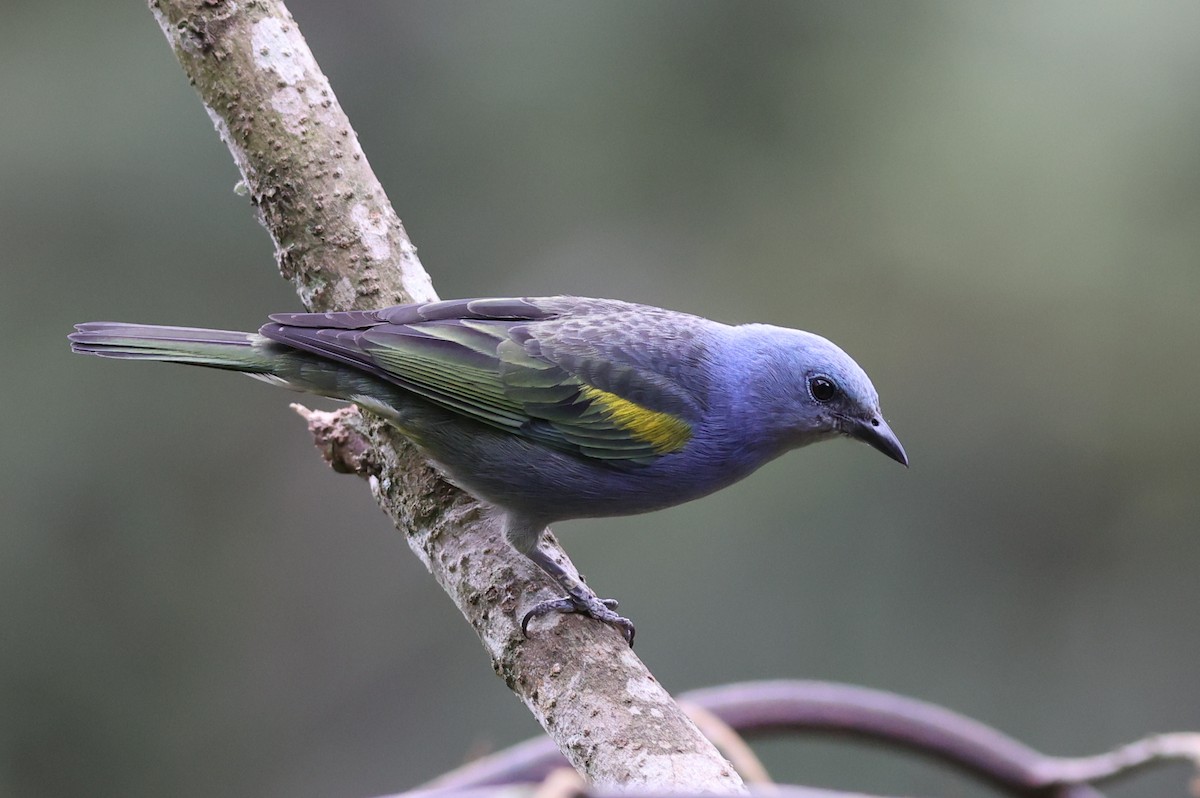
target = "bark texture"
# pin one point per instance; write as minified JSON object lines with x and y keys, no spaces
{"x":339,"y":242}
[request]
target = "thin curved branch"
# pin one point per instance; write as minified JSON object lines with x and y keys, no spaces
{"x":563,"y":791}
{"x":826,"y":707}
{"x":880,"y":716}
{"x":730,"y":743}
{"x":341,"y":244}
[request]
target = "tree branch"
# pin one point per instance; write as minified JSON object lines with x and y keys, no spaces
{"x":805,"y":707}
{"x":343,"y":247}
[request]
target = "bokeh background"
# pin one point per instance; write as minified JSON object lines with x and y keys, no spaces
{"x":995,"y":207}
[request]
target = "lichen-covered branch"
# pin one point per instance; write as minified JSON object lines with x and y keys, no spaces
{"x":336,"y":236}
{"x":343,"y":247}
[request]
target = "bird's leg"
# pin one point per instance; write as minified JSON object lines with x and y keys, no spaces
{"x":580,"y":598}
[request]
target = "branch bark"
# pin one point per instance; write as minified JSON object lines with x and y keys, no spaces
{"x":341,"y":244}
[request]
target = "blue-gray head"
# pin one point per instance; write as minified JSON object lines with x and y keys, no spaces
{"x":816,"y":390}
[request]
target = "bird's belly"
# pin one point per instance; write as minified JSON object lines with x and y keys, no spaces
{"x":571,"y":490}
{"x":536,"y":481}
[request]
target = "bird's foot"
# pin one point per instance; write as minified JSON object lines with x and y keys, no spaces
{"x":589,"y":605}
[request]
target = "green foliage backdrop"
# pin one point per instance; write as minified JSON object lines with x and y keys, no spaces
{"x":994,"y":207}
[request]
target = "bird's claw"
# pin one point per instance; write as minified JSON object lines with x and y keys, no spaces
{"x":591,"y":606}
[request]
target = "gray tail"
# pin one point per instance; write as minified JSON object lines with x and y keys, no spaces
{"x":223,"y":349}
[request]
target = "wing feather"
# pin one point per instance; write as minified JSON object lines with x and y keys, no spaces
{"x":530,"y":367}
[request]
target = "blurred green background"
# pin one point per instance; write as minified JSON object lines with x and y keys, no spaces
{"x":995,"y":207}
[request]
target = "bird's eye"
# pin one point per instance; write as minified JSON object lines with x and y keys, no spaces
{"x":822,"y":388}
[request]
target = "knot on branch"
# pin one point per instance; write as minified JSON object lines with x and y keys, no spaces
{"x":339,"y":437}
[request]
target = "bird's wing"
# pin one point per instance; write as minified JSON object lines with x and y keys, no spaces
{"x":593,"y":377}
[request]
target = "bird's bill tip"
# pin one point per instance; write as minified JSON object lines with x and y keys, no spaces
{"x":876,"y":433}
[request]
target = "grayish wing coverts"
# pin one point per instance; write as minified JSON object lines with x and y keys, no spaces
{"x":554,"y":370}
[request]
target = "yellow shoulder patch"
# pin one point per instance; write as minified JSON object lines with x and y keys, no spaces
{"x":663,"y":431}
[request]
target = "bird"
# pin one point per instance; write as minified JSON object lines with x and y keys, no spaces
{"x":553,"y":408}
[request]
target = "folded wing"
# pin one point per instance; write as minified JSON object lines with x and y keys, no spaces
{"x":564,"y":373}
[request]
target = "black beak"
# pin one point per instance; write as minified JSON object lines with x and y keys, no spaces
{"x":876,"y":433}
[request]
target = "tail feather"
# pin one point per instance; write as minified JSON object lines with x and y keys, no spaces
{"x":239,"y":351}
